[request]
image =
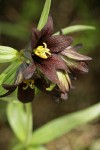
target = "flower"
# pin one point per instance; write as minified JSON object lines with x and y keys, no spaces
{"x":51,"y":61}
{"x":26,"y":88}
{"x":55,"y":60}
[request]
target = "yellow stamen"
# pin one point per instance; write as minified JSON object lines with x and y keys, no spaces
{"x":29,"y":83}
{"x":42,"y":52}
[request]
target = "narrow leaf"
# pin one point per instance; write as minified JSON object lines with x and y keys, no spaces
{"x":25,"y":147}
{"x":20,"y":120}
{"x":75,"y":28}
{"x":36,"y":148}
{"x":8,"y":54}
{"x":44,"y":15}
{"x":29,"y":121}
{"x":62,"y":125}
{"x":17,"y":119}
{"x":8,"y":75}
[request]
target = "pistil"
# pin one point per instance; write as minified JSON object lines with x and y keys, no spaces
{"x":42,"y":51}
{"x":29,"y":83}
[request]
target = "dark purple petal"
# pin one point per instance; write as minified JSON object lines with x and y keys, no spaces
{"x":29,"y":71}
{"x":41,"y":84}
{"x":27,"y":95}
{"x":19,"y":77}
{"x":35,"y":37}
{"x":28,"y":52}
{"x":80,"y":67}
{"x":74,"y":48}
{"x":58,"y":62}
{"x":58,"y":43}
{"x":10,"y":88}
{"x":83,"y":67}
{"x":49,"y":67}
{"x":47,"y":31}
{"x":74,"y":55}
{"x":48,"y":70}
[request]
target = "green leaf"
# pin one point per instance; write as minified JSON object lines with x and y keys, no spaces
{"x":20,"y":121}
{"x":44,"y":15}
{"x":75,"y":28}
{"x":8,"y":75}
{"x":10,"y":98}
{"x":36,"y":148}
{"x":62,"y":125}
{"x":8,"y":54}
{"x":24,"y":147}
{"x":29,"y":121}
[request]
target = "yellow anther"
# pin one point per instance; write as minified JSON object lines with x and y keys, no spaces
{"x":42,"y":52}
{"x":29,"y":83}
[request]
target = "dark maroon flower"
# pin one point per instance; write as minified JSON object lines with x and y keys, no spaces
{"x":50,"y":63}
{"x":55,"y":59}
{"x":25,"y":87}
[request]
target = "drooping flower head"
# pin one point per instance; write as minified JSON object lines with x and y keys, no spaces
{"x":52,"y":60}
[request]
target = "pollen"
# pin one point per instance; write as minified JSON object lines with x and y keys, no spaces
{"x":29,"y":83}
{"x":42,"y":51}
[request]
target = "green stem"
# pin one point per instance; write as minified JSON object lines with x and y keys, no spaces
{"x":28,"y":108}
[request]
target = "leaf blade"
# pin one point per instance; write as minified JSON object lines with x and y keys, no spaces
{"x":44,"y":15}
{"x":64,"y":124}
{"x":8,"y":75}
{"x":17,"y":119}
{"x":75,"y":28}
{"x":8,"y":54}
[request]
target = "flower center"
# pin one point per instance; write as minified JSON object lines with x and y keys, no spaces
{"x":42,"y":51}
{"x":29,"y":83}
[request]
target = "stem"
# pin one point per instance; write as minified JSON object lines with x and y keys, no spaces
{"x":28,"y":108}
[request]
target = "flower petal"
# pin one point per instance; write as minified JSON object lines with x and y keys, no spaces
{"x":49,"y":67}
{"x":27,"y":52}
{"x":74,"y":48}
{"x":76,"y":66}
{"x":27,"y":95}
{"x":48,"y":70}
{"x":58,"y":62}
{"x":65,"y":82}
{"x":74,"y":55}
{"x":29,"y":71}
{"x":19,"y":73}
{"x":10,"y":88}
{"x":48,"y":29}
{"x":58,"y":43}
{"x":35,"y":37}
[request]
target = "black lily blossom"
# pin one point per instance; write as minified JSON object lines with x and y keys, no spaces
{"x":55,"y":59}
{"x":52,"y":60}
{"x":25,"y":87}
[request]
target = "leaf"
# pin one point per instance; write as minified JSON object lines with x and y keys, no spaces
{"x":24,"y":147}
{"x":44,"y":15}
{"x":8,"y":75}
{"x":19,"y":120}
{"x":75,"y":28}
{"x":36,"y":148}
{"x":10,"y":98}
{"x":62,"y":125}
{"x":8,"y":54}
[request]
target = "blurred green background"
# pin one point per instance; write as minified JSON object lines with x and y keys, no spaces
{"x":16,"y":20}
